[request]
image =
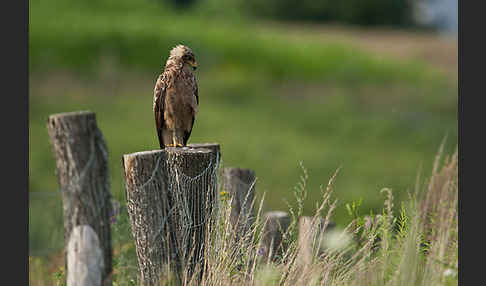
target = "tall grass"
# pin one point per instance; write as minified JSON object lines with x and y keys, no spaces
{"x":416,"y":246}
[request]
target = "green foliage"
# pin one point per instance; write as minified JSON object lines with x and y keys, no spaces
{"x":353,"y":208}
{"x":138,"y":35}
{"x":370,"y":12}
{"x":181,"y":4}
{"x":125,"y":263}
{"x":402,"y":222}
{"x":38,"y":271}
{"x":59,"y":276}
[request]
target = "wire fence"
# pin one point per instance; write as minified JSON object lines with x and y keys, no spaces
{"x":194,"y":198}
{"x":46,"y":222}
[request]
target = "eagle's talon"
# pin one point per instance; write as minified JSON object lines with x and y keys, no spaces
{"x":170,"y":145}
{"x":179,"y":145}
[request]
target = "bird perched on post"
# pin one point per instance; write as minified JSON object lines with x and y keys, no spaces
{"x":176,"y":98}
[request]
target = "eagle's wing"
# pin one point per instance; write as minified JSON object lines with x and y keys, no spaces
{"x":193,"y":83}
{"x":159,"y":102}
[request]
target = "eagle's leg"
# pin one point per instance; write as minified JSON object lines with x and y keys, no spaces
{"x":168,"y":135}
{"x":174,"y":139}
{"x":178,"y":138}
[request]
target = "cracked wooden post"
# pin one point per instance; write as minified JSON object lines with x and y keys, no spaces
{"x":171,"y":195}
{"x":311,"y":235}
{"x":240,"y":185}
{"x":82,"y":170}
{"x":276,"y":224}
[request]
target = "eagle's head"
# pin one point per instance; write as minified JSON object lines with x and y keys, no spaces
{"x":183,"y":54}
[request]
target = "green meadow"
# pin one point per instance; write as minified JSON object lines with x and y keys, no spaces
{"x":272,"y":101}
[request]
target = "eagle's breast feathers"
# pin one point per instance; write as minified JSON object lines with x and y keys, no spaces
{"x":175,"y":104}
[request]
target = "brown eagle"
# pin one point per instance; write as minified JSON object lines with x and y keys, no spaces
{"x":176,"y":99}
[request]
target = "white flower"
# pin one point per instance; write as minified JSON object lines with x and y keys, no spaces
{"x":336,"y":239}
{"x":449,"y":272}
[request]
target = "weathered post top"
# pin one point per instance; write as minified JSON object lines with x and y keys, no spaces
{"x":276,"y":224}
{"x":193,"y":160}
{"x":212,"y":146}
{"x":172,"y":150}
{"x":73,"y":114}
{"x":143,"y":155}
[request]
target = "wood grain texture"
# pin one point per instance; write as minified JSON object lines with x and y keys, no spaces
{"x":171,"y":194}
{"x":82,"y":169}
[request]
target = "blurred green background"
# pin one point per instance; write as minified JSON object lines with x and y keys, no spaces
{"x":361,"y":85}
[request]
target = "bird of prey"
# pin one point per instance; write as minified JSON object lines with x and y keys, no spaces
{"x":176,"y":98}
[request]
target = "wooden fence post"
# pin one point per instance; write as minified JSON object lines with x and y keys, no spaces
{"x":171,"y":194}
{"x":310,"y":241}
{"x":276,"y":224}
{"x":240,"y":185}
{"x":82,"y":170}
